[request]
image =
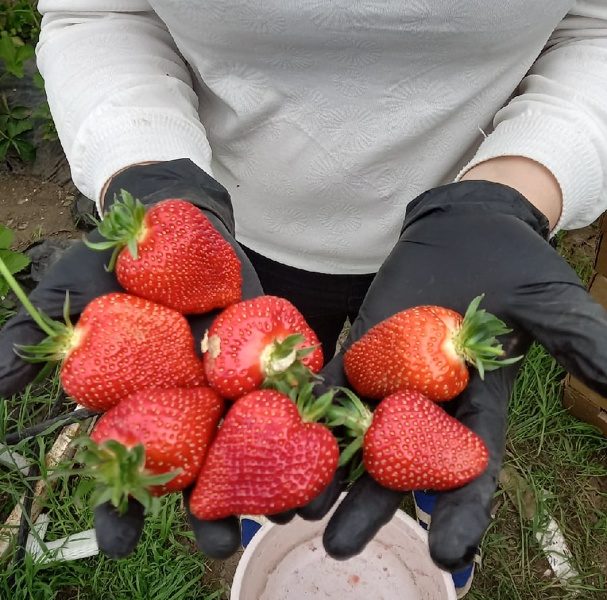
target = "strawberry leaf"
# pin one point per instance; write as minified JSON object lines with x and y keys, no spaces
{"x":6,"y":237}
{"x":14,"y":261}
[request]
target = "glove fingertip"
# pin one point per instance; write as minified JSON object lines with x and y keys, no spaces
{"x":118,"y":535}
{"x":337,"y":546}
{"x":218,"y":539}
{"x":367,"y":507}
{"x":449,"y":554}
{"x":283,"y":517}
{"x":459,"y":521}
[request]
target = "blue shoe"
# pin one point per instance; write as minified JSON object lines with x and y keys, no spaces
{"x":249,"y":526}
{"x":424,"y":506}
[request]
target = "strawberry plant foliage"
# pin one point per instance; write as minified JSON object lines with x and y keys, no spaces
{"x":20,"y":19}
{"x":14,"y":261}
{"x":14,"y":54}
{"x":19,"y":31}
{"x":15,"y":124}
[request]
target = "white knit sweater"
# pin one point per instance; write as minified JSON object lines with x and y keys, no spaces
{"x":324,"y":118}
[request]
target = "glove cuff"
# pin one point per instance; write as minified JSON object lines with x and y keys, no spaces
{"x":179,"y":178}
{"x":477,"y":197}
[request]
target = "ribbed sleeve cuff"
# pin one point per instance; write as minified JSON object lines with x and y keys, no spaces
{"x":131,"y":137}
{"x":560,"y":147}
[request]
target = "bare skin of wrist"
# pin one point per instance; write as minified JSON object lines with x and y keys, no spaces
{"x":530,"y":178}
{"x":107,"y":183}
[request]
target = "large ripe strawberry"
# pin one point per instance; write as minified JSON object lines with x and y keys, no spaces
{"x":410,"y":443}
{"x":265,"y":459}
{"x":413,"y":444}
{"x":170,"y":254}
{"x":253,"y":340}
{"x":152,"y":443}
{"x":120,"y":345}
{"x":425,"y":348}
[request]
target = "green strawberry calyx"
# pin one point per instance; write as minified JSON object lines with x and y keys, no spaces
{"x":281,"y":361}
{"x":354,"y":417}
{"x":311,"y":408}
{"x":476,"y":341}
{"x":61,"y":338}
{"x":122,"y":227}
{"x":118,"y":472}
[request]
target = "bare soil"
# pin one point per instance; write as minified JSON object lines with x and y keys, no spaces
{"x":35,"y":209}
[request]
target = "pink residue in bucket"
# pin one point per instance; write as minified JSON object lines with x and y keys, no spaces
{"x":308,"y":572}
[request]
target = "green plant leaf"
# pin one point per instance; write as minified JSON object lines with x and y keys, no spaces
{"x":14,"y":52}
{"x":4,"y":146}
{"x":8,"y":51}
{"x":38,"y":81}
{"x":6,"y":237}
{"x":20,"y":112}
{"x":15,"y":261}
{"x":16,"y":128}
{"x":25,"y":150}
{"x":25,"y":52}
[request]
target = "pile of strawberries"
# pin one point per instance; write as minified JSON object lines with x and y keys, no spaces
{"x":242,"y":423}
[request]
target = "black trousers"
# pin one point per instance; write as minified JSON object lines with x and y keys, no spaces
{"x":325,"y":300}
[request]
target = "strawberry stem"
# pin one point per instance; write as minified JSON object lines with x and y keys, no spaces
{"x":356,"y":418}
{"x":278,"y":356}
{"x":119,"y":472}
{"x":25,"y":301}
{"x":350,"y":413}
{"x":282,"y":364}
{"x":350,"y":450}
{"x":60,"y":336}
{"x":476,"y":340}
{"x":123,"y":226}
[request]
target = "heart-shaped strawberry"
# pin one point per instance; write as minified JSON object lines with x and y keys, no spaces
{"x":409,"y":442}
{"x":413,"y":444}
{"x":265,"y":459}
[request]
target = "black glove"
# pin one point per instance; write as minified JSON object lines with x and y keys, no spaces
{"x":81,"y":271}
{"x":457,"y":242}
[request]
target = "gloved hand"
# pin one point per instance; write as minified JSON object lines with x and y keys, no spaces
{"x":457,"y":242}
{"x":81,"y":271}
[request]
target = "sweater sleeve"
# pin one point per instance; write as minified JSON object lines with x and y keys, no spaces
{"x":118,"y":89}
{"x":559,"y":117}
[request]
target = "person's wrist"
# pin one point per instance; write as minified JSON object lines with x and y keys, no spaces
{"x":107,"y":184}
{"x":154,"y":182}
{"x":531,"y":179}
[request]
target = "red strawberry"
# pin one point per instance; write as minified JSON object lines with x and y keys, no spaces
{"x":172,"y":255}
{"x":265,"y":459}
{"x":413,"y":444}
{"x":173,"y":427}
{"x":425,"y":348}
{"x":120,"y":345}
{"x":258,"y":339}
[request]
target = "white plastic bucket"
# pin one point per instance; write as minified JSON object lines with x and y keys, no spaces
{"x":288,"y":562}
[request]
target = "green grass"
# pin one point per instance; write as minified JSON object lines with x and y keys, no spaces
{"x":166,"y":565}
{"x":564,"y":463}
{"x":561,"y":460}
